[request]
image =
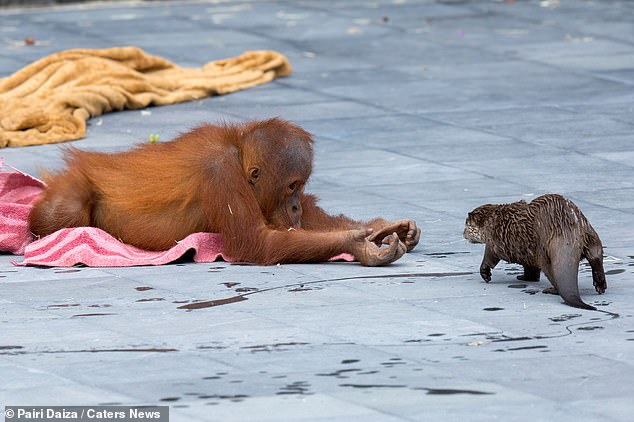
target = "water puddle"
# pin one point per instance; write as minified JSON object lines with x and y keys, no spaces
{"x":510,"y":349}
{"x":64,"y":305}
{"x":297,"y":387}
{"x":451,"y":391}
{"x":373,"y":385}
{"x":338,"y":373}
{"x":613,"y":272}
{"x":273,"y":347}
{"x":212,"y":303}
{"x":246,"y":291}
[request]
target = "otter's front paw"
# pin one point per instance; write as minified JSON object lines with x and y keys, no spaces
{"x":598,"y":279}
{"x":485,"y":273}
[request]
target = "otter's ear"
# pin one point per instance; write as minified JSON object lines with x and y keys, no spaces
{"x":254,"y":174}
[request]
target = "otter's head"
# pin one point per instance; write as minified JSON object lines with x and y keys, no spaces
{"x":475,"y":226}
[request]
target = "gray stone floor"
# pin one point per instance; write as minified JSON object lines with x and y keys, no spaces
{"x":420,"y":109}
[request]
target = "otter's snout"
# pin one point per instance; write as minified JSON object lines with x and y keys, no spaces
{"x":472,"y":234}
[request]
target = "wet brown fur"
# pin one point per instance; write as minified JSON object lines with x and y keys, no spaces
{"x":549,"y":234}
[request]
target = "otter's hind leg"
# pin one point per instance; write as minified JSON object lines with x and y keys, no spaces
{"x":593,"y":252}
{"x":66,"y":202}
{"x":530,"y":274}
{"x":563,"y":270}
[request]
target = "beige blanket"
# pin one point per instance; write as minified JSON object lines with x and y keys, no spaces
{"x":50,"y":100}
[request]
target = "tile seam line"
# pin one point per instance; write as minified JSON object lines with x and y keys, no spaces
{"x":531,"y":143}
{"x":299,"y":44}
{"x":312,"y":5}
{"x":573,"y":71}
{"x":396,"y":113}
{"x":56,"y":374}
{"x":374,"y":106}
{"x":490,"y":13}
{"x":369,"y":406}
{"x":266,"y":36}
{"x":563,"y":29}
{"x":505,"y":15}
{"x":488,"y":177}
{"x":105,"y":5}
{"x":570,"y":108}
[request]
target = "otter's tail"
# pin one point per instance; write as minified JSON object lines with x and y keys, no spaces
{"x":565,"y":269}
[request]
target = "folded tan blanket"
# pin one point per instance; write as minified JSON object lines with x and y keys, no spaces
{"x":50,"y":100}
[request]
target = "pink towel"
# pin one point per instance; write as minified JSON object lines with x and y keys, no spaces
{"x":84,"y":245}
{"x":18,"y":191}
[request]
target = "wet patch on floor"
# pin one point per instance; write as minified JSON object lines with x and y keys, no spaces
{"x":393,"y":362}
{"x":444,"y":254}
{"x":500,"y":337}
{"x":531,"y":291}
{"x":373,"y":385}
{"x":451,"y":391}
{"x":11,"y":347}
{"x":230,"y":397}
{"x":303,"y":288}
{"x":246,"y":289}
{"x":614,"y":272}
{"x":63,"y":305}
{"x":301,"y":388}
{"x":277,"y":347}
{"x":512,"y":349}
{"x":210,"y":347}
{"x":564,"y":317}
{"x":211,"y":303}
{"x":340,"y":373}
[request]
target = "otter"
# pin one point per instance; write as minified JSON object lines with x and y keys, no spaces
{"x":549,"y":234}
